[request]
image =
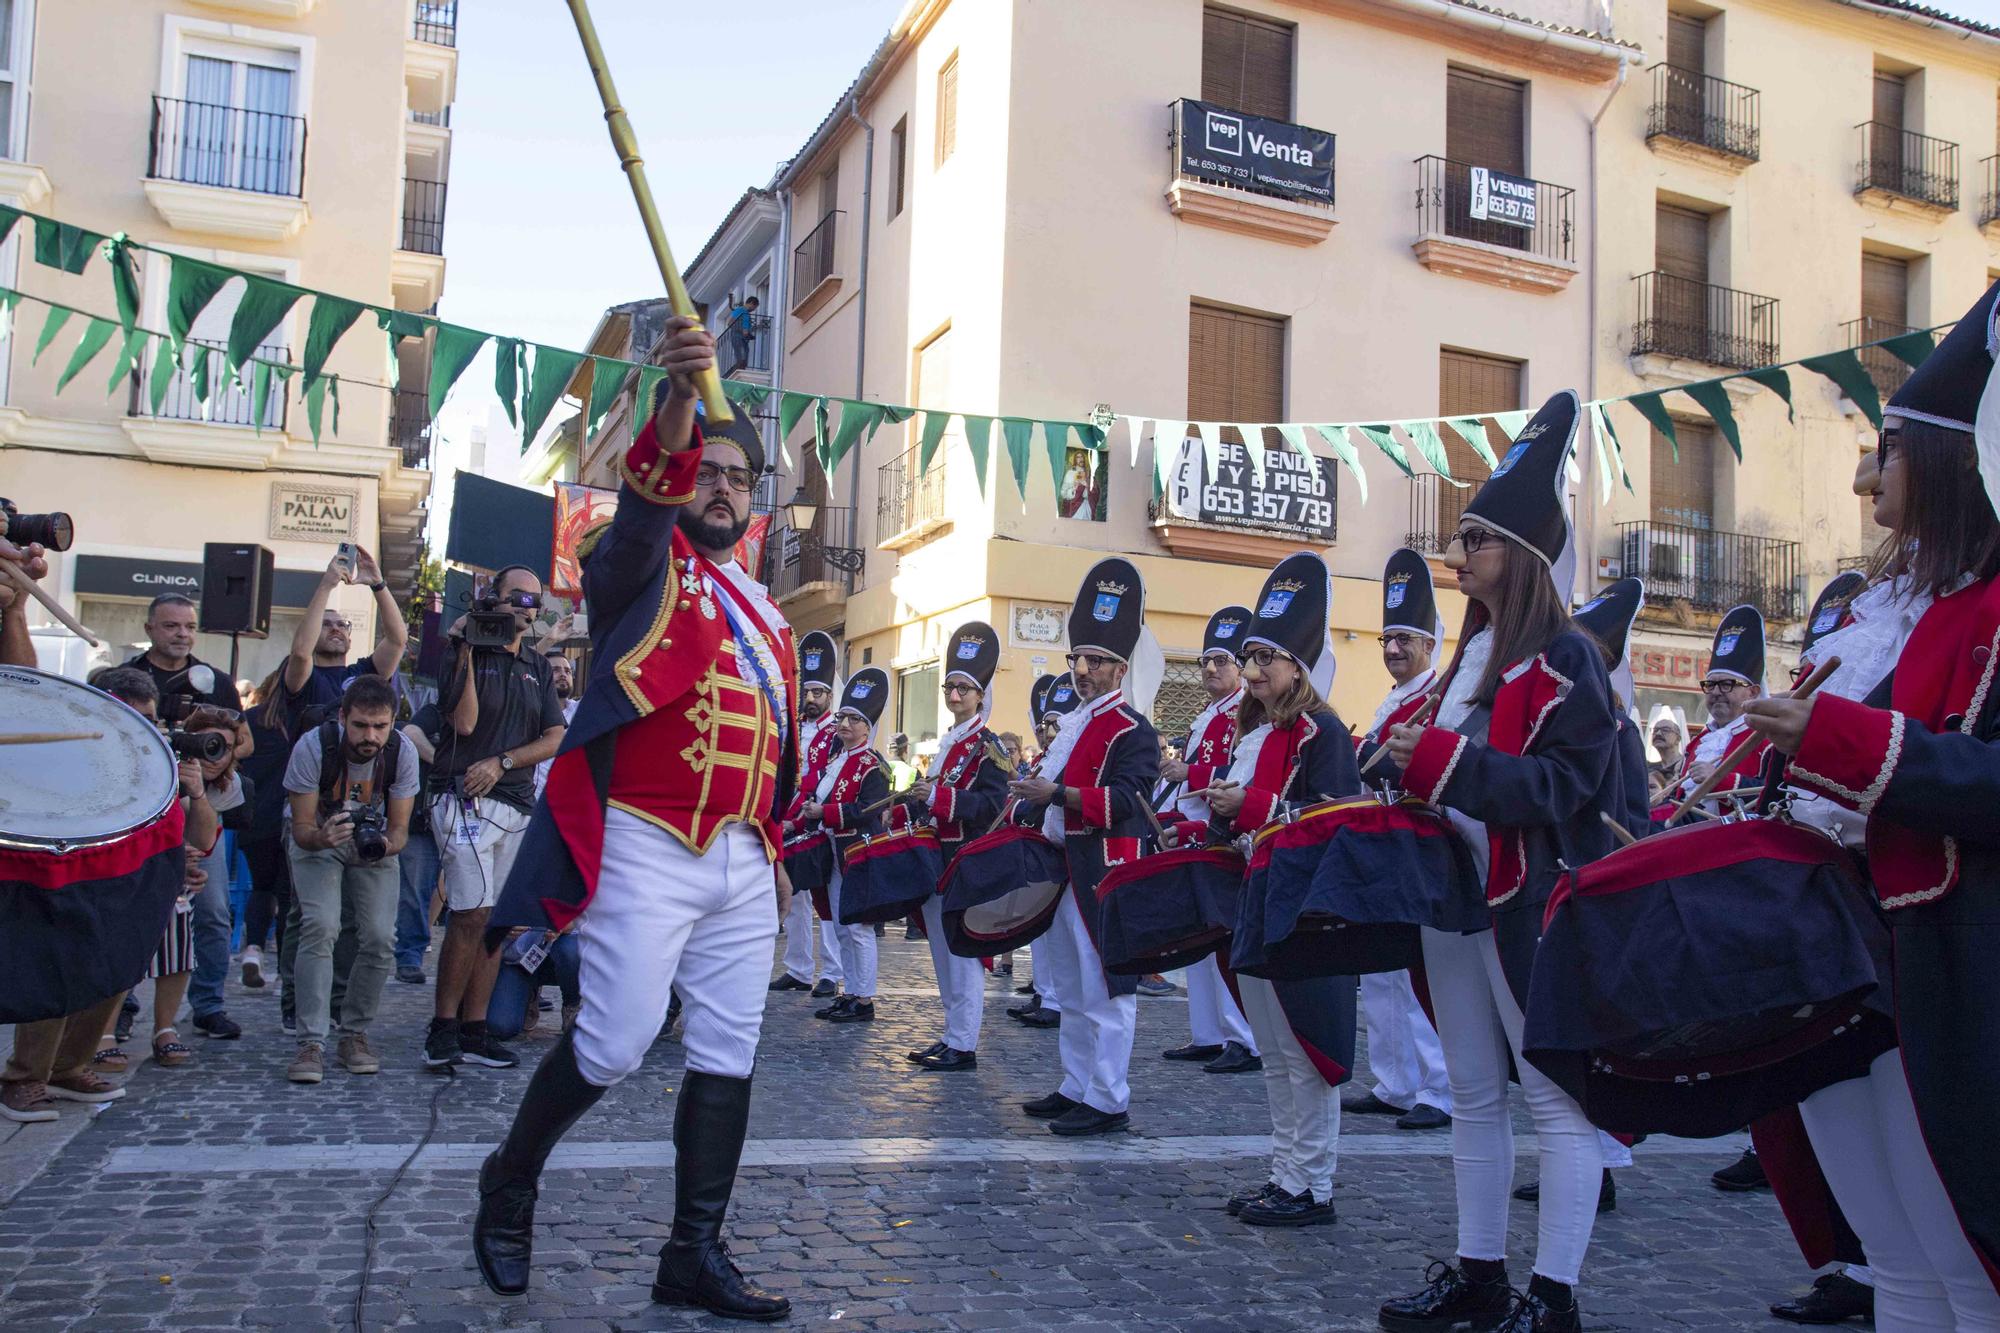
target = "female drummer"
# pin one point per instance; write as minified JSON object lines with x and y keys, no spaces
{"x":1903,"y":735}
{"x":847,"y":804}
{"x":1521,"y":754}
{"x":1291,"y":749}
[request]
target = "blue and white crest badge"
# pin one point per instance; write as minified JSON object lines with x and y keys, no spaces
{"x":1828,"y":618}
{"x":1590,"y":605}
{"x":1726,"y":645}
{"x":1226,"y":629}
{"x":812,"y":659}
{"x":968,"y":650}
{"x":1276,"y":603}
{"x":1513,"y":456}
{"x":1105,"y":608}
{"x":1061,"y":695}
{"x":861,"y":689}
{"x":1398,"y":588}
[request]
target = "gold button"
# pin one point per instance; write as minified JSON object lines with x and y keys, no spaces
{"x":666,"y":643}
{"x":685,"y":604}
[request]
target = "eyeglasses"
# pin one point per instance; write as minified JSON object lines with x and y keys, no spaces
{"x":1720,"y":685}
{"x":739,"y":478}
{"x":1474,"y":539}
{"x":1400,"y":640}
{"x":1262,"y":657}
{"x":960,"y":687}
{"x":1088,"y":661}
{"x":336,"y":624}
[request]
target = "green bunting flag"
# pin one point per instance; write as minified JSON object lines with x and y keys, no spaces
{"x":507,"y":379}
{"x":1253,"y":445}
{"x":1655,"y":411}
{"x":198,"y":372}
{"x":1295,"y":436}
{"x":1846,"y":371}
{"x":978,"y":438}
{"x":1511,"y":424}
{"x":607,"y":378}
{"x":1343,"y":449}
{"x":1912,"y":349}
{"x":128,"y":357}
{"x":1210,"y":435}
{"x":1055,"y":443}
{"x":550,"y":375}
{"x":331,"y":317}
{"x":1424,"y":434}
{"x":935,"y":424}
{"x":260,"y":393}
{"x":1169,"y":438}
{"x":58,"y":316}
{"x":1714,"y":399}
{"x":1777,"y":381}
{"x":791,"y":406}
{"x":95,"y":334}
{"x":1016,"y":432}
{"x":1473,"y":431}
{"x":191,"y":285}
{"x":9,"y":215}
{"x":453,"y":352}
{"x":316,"y":404}
{"x":124,"y":281}
{"x":642,"y":397}
{"x":820,"y":441}
{"x":855,"y":417}
{"x":165,"y":363}
{"x":263,"y":307}
{"x":61,"y":245}
{"x":1386,"y":442}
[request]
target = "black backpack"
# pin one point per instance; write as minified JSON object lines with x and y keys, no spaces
{"x":333,"y":766}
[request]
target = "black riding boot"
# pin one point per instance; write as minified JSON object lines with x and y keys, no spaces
{"x":503,"y":1232}
{"x":695,"y":1268}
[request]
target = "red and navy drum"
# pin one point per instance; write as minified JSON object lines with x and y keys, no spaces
{"x":1341,"y":888}
{"x":1001,"y":891}
{"x":887,"y":876}
{"x":1692,"y":982}
{"x":808,"y":860}
{"x":1167,"y":910}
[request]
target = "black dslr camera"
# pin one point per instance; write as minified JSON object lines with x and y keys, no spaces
{"x":54,"y":531}
{"x":208,"y":747}
{"x":181,"y":701}
{"x":371,"y":833}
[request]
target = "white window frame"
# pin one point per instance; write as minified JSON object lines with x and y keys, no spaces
{"x":184,"y":36}
{"x":21,"y":69}
{"x":153,"y":284}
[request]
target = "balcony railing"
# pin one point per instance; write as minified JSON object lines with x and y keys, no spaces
{"x":1989,"y":195}
{"x":1711,"y":570}
{"x":812,"y":258}
{"x":410,"y":427}
{"x":1903,"y":162}
{"x":904,"y":500}
{"x":1718,"y":325}
{"x":1884,"y":367}
{"x":423,"y":216}
{"x":227,"y":406}
{"x":1695,"y":108}
{"x":800,"y":563}
{"x":1444,"y":208}
{"x":1432,"y":518}
{"x":204,"y":143}
{"x":439,"y":117}
{"x":747,"y":351}
{"x":437,"y":22}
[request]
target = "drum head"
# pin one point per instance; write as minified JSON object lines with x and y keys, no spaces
{"x":61,"y":795}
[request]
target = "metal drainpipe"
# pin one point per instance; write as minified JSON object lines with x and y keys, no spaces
{"x":861,"y":313}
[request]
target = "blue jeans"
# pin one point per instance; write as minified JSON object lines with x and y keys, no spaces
{"x":413,"y":908}
{"x":212,"y":928}
{"x":514,"y":990}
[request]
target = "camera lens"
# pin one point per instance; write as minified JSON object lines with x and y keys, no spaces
{"x":54,"y":531}
{"x":209,"y":747}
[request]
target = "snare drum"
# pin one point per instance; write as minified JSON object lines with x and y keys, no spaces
{"x":1001,"y":892}
{"x":1693,"y":982}
{"x":1167,"y":910}
{"x":1343,"y":887}
{"x":90,"y":846}
{"x":887,"y":876}
{"x":808,"y":860}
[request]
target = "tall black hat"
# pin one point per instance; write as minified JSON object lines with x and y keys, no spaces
{"x":1945,"y":389}
{"x":1062,"y":699}
{"x":1830,"y":607}
{"x":973,"y":654}
{"x":867,"y":693}
{"x":1523,"y":499}
{"x":741,"y":430}
{"x":1739,"y":646}
{"x":1110,"y":609}
{"x":1038,"y":700}
{"x":1292,"y":615}
{"x":1225,"y":631}
{"x":1609,"y":616}
{"x":819,"y":660}
{"x":1409,"y":602}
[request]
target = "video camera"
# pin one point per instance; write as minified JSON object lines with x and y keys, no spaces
{"x":490,"y":622}
{"x":54,"y":531}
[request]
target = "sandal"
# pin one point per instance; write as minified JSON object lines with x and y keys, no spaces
{"x":111,"y":1059}
{"x":171,"y":1054}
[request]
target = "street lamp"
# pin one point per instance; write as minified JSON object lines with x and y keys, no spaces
{"x":801,"y":511}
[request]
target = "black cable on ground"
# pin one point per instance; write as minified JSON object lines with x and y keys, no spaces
{"x":368,"y":1222}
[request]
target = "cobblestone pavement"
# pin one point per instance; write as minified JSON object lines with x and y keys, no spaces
{"x":876,"y":1195}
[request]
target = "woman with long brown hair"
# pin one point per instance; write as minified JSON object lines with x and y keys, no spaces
{"x":1898,"y":756}
{"x":1521,"y":755}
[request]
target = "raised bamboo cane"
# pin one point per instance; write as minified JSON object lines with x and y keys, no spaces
{"x":55,"y":608}
{"x":708,"y":382}
{"x":1749,"y":743}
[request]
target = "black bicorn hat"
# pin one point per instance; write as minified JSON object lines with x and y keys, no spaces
{"x":1830,"y":607}
{"x":1225,"y":631}
{"x":1739,"y":646}
{"x":1292,"y":612}
{"x":1409,"y":601}
{"x":1110,"y":609}
{"x":1946,"y":388}
{"x":1523,"y":499}
{"x":867,"y":693}
{"x":1062,"y":699}
{"x":740,"y":431}
{"x":973,"y":654}
{"x":1608,"y":617}
{"x":819,"y":659}
{"x":1038,"y":699}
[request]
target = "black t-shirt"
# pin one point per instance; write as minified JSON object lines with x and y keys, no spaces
{"x":224,"y":694}
{"x":517,"y":703}
{"x":319,"y":698}
{"x":427,"y":721}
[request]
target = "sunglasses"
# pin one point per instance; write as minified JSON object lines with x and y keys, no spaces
{"x":336,"y":624}
{"x":739,"y":478}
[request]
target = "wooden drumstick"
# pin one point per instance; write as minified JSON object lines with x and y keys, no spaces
{"x":1624,"y":835}
{"x":1749,"y":743}
{"x":1423,"y":716}
{"x":34,"y":590}
{"x":49,"y":737}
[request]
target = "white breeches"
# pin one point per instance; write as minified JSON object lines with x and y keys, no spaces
{"x":1213,"y":1018}
{"x":1403,"y":1051}
{"x":1305,"y":1112}
{"x":1097,"y":1026}
{"x":961,"y":983}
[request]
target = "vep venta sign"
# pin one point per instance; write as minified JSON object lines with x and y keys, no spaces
{"x":1295,"y":497}
{"x":1271,"y":156}
{"x":1498,"y":197}
{"x":312,"y":513}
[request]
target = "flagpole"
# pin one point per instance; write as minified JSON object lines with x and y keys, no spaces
{"x":708,"y":382}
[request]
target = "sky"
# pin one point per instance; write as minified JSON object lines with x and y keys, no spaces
{"x":541,"y":233}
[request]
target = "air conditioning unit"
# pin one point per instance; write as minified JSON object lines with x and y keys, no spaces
{"x":1657,"y":560}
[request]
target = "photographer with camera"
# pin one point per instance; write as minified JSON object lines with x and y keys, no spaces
{"x":351,"y":784}
{"x":503,"y":715}
{"x":317,"y":669}
{"x":169,"y":659}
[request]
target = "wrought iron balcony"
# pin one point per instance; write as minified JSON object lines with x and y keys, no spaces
{"x":906,"y":502}
{"x":1884,"y":367}
{"x":229,"y":405}
{"x":1712,"y":570}
{"x":1989,"y":196}
{"x":437,"y":22}
{"x":1444,"y":208}
{"x":800,"y":561}
{"x":1717,"y":325}
{"x":1431,"y":525}
{"x":1904,"y":163}
{"x":411,"y":428}
{"x":204,"y":143}
{"x":751,"y":351}
{"x":1698,"y":109}
{"x":423,"y":216}
{"x":812,"y":258}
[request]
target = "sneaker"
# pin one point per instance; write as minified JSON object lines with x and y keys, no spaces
{"x":441,"y":1047}
{"x":218,"y":1025}
{"x":85,"y":1086}
{"x":309,"y":1065}
{"x":253,"y":967}
{"x":409,"y":974}
{"x":289,"y":1025}
{"x":355,"y":1057}
{"x":26,"y":1102}
{"x":1745,"y":1173}
{"x":479,"y":1048}
{"x":1156,"y":986}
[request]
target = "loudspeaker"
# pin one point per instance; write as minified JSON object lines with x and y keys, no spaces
{"x":236,"y":589}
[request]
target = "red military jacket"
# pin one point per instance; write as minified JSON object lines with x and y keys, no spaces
{"x":817,"y":754}
{"x":841,"y":811}
{"x":1208,"y":753}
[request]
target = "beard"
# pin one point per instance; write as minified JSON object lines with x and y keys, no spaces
{"x":709,"y":535}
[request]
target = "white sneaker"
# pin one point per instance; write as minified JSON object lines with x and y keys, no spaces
{"x":253,"y":967}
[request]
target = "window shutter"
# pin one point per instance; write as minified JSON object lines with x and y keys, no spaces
{"x":1889,"y":99}
{"x":1246,"y":63}
{"x":899,"y":165}
{"x":1236,"y":367}
{"x":947,"y":110}
{"x":1470,"y":385}
{"x":1885,"y":294}
{"x":1684,"y":492}
{"x":1485,"y":121}
{"x":1687,"y":43}
{"x":1680,"y":242}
